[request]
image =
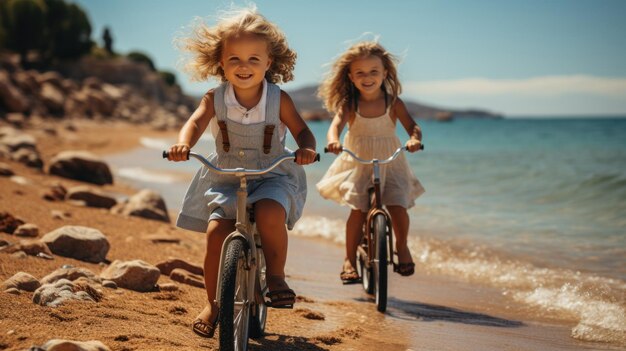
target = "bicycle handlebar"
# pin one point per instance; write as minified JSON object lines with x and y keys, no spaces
{"x":382,"y":162}
{"x":241,"y":171}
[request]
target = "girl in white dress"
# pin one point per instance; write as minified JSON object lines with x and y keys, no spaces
{"x":362,"y":90}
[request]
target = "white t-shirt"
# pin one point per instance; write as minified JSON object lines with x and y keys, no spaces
{"x":236,"y":112}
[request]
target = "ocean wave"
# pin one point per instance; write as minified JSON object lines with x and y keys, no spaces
{"x":595,"y":302}
{"x":155,"y":143}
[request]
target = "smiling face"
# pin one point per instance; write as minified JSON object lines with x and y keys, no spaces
{"x":367,"y":74}
{"x":245,"y":59}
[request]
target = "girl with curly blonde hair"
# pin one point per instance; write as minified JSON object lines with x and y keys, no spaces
{"x":248,"y":116}
{"x":362,"y":90}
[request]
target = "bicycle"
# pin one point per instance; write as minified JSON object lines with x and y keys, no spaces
{"x":242,"y":272}
{"x":375,"y":252}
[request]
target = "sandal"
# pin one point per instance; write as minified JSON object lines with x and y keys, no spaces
{"x":349,"y":277}
{"x":204,"y":329}
{"x":404,"y":269}
{"x":280,"y":298}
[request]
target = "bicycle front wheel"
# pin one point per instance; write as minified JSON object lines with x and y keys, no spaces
{"x":234,"y":304}
{"x":380,"y":261}
{"x":258,"y":316}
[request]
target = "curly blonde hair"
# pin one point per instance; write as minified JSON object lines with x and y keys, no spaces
{"x":337,"y":90}
{"x":206,"y":44}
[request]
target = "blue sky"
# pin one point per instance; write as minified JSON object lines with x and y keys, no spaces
{"x":521,"y":58}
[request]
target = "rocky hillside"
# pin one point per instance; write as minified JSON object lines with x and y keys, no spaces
{"x":312,"y":108}
{"x":110,"y":89}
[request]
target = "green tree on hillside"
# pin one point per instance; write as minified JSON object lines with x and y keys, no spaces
{"x":23,"y":22}
{"x":69,"y":30}
{"x":137,"y":56}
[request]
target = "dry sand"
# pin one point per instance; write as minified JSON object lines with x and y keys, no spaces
{"x":425,"y":312}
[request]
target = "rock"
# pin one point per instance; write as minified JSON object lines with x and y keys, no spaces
{"x":57,"y":214}
{"x":19,"y":255}
{"x":81,"y":165}
{"x":56,"y":192}
{"x":29,"y":157}
{"x":8,"y":223}
{"x":4,"y":243}
{"x":26,"y":81}
{"x":54,"y":294}
{"x":27,"y":230}
{"x":52,"y":97}
{"x":13,"y":291}
{"x":5,"y":170}
{"x":11,"y":97}
{"x":134,"y":275}
{"x":71,"y":274}
{"x":19,"y":141}
{"x":69,"y":345}
{"x":28,"y":247}
{"x":82,"y":243}
{"x":168,"y":287}
{"x":182,"y":276}
{"x":168,"y":266}
{"x":146,"y":203}
{"x":109,"y":284}
{"x":91,"y":197}
{"x":21,"y":281}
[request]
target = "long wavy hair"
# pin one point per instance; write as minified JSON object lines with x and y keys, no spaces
{"x":205,"y":44}
{"x":337,"y":90}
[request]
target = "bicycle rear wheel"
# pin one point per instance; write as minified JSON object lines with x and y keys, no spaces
{"x":234,"y":304}
{"x":380,"y":261}
{"x":259,"y":309}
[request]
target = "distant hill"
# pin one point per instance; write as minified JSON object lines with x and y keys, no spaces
{"x":311,"y":108}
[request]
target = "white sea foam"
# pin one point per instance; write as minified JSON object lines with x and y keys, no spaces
{"x":316,"y":226}
{"x":143,"y":175}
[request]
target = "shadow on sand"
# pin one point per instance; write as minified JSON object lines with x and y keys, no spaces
{"x":283,"y":343}
{"x":409,"y":310}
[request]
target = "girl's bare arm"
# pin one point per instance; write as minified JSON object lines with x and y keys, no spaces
{"x":412,"y":128}
{"x":298,"y":128}
{"x":193,"y":129}
{"x":335,"y":129}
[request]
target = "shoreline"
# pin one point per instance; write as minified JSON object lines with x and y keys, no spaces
{"x":426,"y":311}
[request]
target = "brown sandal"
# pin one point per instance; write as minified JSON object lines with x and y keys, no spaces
{"x":204,"y":329}
{"x":349,"y":277}
{"x":280,"y":298}
{"x":404,"y":269}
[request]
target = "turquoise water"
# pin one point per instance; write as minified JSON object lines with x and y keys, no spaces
{"x":536,"y":207}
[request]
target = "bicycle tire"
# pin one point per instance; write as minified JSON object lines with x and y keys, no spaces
{"x":258,"y":315}
{"x":364,"y":272}
{"x":380,"y":261}
{"x":234,"y":307}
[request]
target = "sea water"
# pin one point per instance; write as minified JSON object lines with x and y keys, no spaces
{"x":535,"y":207}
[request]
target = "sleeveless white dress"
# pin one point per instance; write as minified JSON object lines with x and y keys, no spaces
{"x":347,"y":182}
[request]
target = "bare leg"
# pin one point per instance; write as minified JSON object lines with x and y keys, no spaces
{"x":400,"y":223}
{"x":354,"y":233}
{"x":270,"y":221}
{"x":216,"y":233}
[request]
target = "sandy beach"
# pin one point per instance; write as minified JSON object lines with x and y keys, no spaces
{"x":426,"y":312}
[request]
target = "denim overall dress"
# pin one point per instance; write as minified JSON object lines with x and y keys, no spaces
{"x":214,"y":196}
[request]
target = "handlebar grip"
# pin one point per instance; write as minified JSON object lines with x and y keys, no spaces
{"x":166,"y":154}
{"x":317,"y":158}
{"x":421,"y":146}
{"x":325,"y":150}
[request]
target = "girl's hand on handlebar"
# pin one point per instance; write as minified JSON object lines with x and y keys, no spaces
{"x":334,"y":147}
{"x":178,"y":152}
{"x":305,"y":156}
{"x":413,"y":145}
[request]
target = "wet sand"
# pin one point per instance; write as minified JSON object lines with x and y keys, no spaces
{"x":425,"y":312}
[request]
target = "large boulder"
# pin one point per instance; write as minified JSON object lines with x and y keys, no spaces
{"x":146,"y":203}
{"x":56,"y":293}
{"x":70,"y":273}
{"x":134,"y":275}
{"x":10,"y":96}
{"x":81,"y":165}
{"x":82,"y":243}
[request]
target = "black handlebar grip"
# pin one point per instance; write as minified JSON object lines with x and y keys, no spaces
{"x":166,"y":154}
{"x":317,"y":158}
{"x":421,"y":146}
